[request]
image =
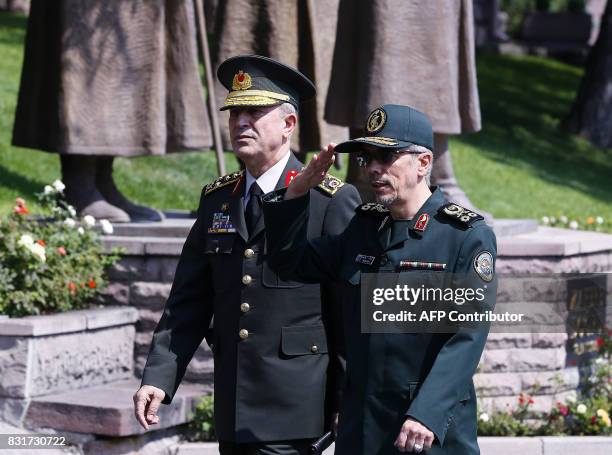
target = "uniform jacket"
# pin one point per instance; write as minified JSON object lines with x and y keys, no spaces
{"x":273,"y":339}
{"x":391,"y":376}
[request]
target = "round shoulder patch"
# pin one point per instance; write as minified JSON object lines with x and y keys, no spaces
{"x":483,"y":264}
{"x":376,"y":121}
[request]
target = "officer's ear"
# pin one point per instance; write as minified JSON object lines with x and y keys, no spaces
{"x":424,"y":161}
{"x":290,"y":121}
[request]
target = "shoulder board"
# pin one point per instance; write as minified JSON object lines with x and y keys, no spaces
{"x":372,"y":208}
{"x":330,"y":185}
{"x":222,"y":181}
{"x":460,"y":214}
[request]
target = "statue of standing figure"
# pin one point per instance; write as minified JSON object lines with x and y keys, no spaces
{"x":107,"y":79}
{"x":412,"y":52}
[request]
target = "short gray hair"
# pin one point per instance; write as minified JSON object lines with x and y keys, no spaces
{"x":417,"y":149}
{"x":288,"y":108}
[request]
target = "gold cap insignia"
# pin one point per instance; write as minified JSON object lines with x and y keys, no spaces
{"x":242,"y":81}
{"x":376,"y":121}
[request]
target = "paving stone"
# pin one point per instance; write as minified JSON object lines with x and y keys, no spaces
{"x":78,"y":360}
{"x":508,"y":340}
{"x":127,"y":269}
{"x":14,"y":365}
{"x":164,"y":247}
{"x":150,"y":295}
{"x":497,"y":384}
{"x":503,"y":446}
{"x":591,"y":445}
{"x":510,"y":288}
{"x":110,"y":316}
{"x":108,"y":409}
{"x":116,"y":293}
{"x":158,"y":442}
{"x":548,"y":340}
{"x":547,"y":382}
{"x":545,"y":289}
{"x":72,"y":321}
{"x":520,"y":360}
{"x":160,"y":269}
{"x":148,"y":319}
{"x":173,"y":227}
{"x":13,"y":410}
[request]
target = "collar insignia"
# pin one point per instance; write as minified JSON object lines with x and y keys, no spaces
{"x":421,"y":223}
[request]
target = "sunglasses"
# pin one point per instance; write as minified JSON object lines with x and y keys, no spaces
{"x":384,"y":157}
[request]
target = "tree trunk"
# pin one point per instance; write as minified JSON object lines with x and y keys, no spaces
{"x":591,"y":114}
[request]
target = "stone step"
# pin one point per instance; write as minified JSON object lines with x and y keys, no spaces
{"x":549,"y":241}
{"x":508,"y":227}
{"x":176,"y":226}
{"x":109,"y":409}
{"x":170,"y":227}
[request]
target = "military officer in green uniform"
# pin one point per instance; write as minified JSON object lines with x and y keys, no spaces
{"x":405,"y":392}
{"x":278,"y":368}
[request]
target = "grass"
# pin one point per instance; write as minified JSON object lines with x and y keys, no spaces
{"x":521,"y":165}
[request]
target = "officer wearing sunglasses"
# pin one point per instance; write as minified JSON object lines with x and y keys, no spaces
{"x":406,"y":392}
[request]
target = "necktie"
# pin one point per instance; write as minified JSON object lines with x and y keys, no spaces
{"x":253,"y":208}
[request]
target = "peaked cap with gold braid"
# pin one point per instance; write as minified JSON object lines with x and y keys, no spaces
{"x":253,"y":80}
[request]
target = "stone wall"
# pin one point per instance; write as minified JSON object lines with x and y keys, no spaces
{"x":42,"y":355}
{"x":535,"y":363}
{"x":49,"y":354}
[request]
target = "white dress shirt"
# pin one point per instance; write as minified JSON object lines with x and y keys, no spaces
{"x":266,"y":181}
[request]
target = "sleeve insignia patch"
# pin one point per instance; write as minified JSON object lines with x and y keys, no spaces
{"x":222,"y":181}
{"x":460,"y":214}
{"x":483,"y":264}
{"x":330,"y":185}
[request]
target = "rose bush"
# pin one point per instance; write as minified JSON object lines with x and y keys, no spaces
{"x":588,"y":414}
{"x":51,"y":263}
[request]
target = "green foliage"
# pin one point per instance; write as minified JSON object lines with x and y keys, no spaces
{"x":49,"y":265}
{"x":587,"y":415}
{"x":202,"y":427}
{"x":521,"y":165}
{"x":589,"y":223}
{"x":513,"y":422}
{"x":517,"y":9}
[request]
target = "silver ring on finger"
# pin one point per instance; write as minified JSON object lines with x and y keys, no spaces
{"x":418,"y":448}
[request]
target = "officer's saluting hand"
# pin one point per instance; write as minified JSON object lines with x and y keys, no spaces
{"x":313,"y":174}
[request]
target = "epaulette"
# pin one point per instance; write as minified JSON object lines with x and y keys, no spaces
{"x":460,"y":214}
{"x":222,"y":181}
{"x":372,"y":208}
{"x":330,"y":185}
